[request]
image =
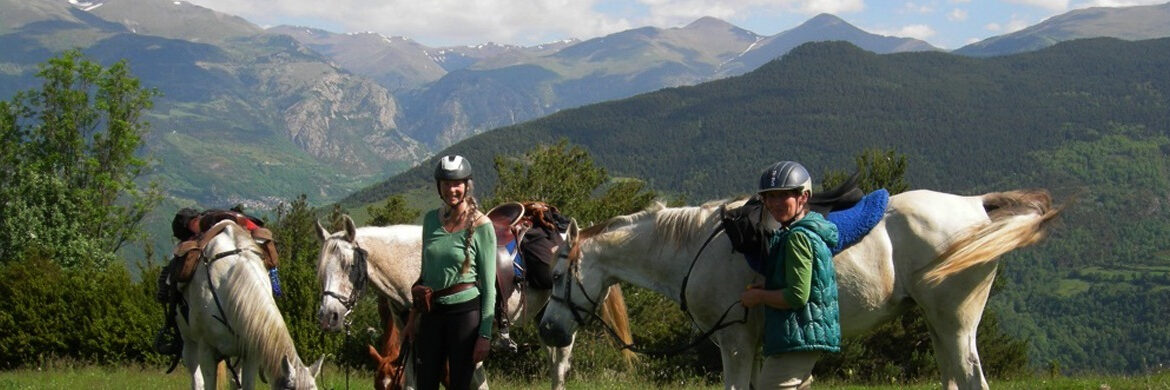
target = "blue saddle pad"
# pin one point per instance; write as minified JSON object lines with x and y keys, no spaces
{"x":852,"y":223}
{"x":855,"y":222}
{"x":517,"y":260}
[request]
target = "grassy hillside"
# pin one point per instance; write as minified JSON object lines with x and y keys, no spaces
{"x":1087,"y":119}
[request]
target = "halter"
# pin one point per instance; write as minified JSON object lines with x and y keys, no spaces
{"x":357,"y":276}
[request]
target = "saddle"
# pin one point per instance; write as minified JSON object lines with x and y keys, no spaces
{"x":507,"y":220}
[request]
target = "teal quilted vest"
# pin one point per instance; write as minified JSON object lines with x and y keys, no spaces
{"x":816,"y":325}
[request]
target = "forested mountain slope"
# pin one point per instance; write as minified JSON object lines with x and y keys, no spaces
{"x":1088,"y":119}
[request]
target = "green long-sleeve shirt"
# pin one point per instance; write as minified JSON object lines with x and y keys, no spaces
{"x":442,"y":261}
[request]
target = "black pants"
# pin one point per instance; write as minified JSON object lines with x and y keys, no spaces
{"x":447,"y":335}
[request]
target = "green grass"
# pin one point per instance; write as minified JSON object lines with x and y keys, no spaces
{"x":93,"y":377}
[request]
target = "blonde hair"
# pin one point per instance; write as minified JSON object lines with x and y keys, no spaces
{"x":473,"y":214}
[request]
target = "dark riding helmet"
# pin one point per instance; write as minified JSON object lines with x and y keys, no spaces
{"x":179,"y":225}
{"x":453,"y":167}
{"x":785,"y":175}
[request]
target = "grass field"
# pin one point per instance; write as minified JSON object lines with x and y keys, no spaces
{"x":91,"y":377}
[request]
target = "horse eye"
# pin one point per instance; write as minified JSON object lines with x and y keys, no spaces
{"x":557,"y":275}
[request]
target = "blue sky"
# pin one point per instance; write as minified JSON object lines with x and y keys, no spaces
{"x":948,"y":24}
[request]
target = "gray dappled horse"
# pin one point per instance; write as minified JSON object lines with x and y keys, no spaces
{"x":932,"y":249}
{"x":232,"y":314}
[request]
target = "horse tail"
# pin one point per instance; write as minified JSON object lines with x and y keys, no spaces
{"x":614,"y":313}
{"x":1017,"y":219}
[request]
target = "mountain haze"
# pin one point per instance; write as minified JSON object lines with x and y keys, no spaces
{"x":236,"y":102}
{"x":1129,"y":23}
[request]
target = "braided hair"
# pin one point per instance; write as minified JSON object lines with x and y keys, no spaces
{"x":473,"y":214}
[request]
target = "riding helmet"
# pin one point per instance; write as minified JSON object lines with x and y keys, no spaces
{"x":785,"y":175}
{"x":179,"y":225}
{"x":453,"y":167}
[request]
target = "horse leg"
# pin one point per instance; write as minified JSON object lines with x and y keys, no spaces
{"x":953,"y":318}
{"x":479,"y":377}
{"x":558,"y":368}
{"x":737,"y":348}
{"x":250,"y":368}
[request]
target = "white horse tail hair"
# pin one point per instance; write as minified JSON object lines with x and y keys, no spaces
{"x":1017,"y":219}
{"x":614,"y":313}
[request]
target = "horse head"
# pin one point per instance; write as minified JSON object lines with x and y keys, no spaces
{"x":294,"y":375}
{"x":575,"y":296}
{"x":341,"y":270}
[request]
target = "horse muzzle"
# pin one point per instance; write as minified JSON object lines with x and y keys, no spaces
{"x":331,"y":319}
{"x":554,"y":334}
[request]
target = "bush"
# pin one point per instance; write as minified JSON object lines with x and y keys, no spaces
{"x":50,"y":312}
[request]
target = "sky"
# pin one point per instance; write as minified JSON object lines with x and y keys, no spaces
{"x":948,"y":24}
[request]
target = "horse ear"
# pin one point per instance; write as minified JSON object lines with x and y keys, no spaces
{"x":321,"y":232}
{"x":316,"y":368}
{"x":286,"y":367}
{"x":374,"y":353}
{"x":350,"y":229}
{"x":573,"y":230}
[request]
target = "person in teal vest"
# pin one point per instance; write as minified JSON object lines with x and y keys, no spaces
{"x":799,"y":293}
{"x":459,"y":266}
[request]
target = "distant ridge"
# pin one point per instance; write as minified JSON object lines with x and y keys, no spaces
{"x":1129,"y":23}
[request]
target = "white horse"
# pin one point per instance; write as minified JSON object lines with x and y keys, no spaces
{"x":232,"y":314}
{"x":392,"y":260}
{"x":933,"y":249}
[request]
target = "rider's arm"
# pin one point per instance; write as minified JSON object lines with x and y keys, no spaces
{"x":485,"y":270}
{"x":796,"y":270}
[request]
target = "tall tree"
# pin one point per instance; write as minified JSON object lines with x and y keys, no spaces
{"x":70,"y":163}
{"x":566,"y":177}
{"x":393,"y":212}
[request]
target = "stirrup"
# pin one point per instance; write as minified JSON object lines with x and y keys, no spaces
{"x":166,"y":343}
{"x":505,"y":342}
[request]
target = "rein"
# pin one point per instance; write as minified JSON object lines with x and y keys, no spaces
{"x":358,"y":276}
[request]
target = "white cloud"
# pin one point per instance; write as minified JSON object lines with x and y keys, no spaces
{"x":1053,"y":5}
{"x":1116,"y":3}
{"x":957,"y":15}
{"x":440,"y":22}
{"x":1012,"y":25}
{"x":917,"y":31}
{"x":917,"y":8}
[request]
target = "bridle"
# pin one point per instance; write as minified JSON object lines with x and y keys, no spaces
{"x":357,"y":276}
{"x":576,"y":310}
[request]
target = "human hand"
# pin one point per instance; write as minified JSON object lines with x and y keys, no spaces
{"x":482,"y":347}
{"x":752,"y":297}
{"x":410,"y":328}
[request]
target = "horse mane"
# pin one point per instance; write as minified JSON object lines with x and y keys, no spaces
{"x":678,"y":225}
{"x":256,"y":320}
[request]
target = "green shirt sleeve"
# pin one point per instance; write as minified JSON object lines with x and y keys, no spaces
{"x":798,"y":258}
{"x":485,"y":270}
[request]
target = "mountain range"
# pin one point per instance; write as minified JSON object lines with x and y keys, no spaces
{"x":1086,"y":119}
{"x":298,"y":110}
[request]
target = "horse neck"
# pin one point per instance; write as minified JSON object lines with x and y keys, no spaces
{"x":394,"y":257}
{"x":257,"y":321}
{"x":648,"y":253}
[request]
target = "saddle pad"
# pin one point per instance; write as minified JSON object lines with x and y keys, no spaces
{"x":852,"y":223}
{"x":855,"y":222}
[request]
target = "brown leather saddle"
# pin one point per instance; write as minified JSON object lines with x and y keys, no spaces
{"x":507,"y":219}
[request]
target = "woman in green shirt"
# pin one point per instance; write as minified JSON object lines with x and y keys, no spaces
{"x":459,"y":265}
{"x":800,"y":289}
